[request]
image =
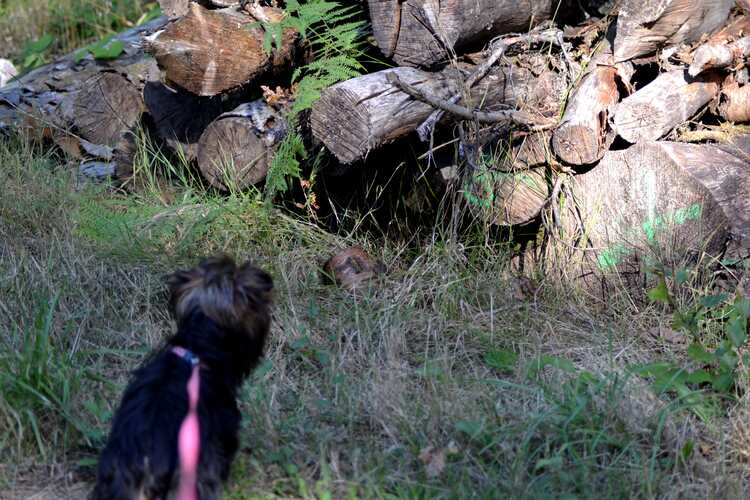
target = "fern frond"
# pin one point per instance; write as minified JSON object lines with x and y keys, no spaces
{"x":336,"y":37}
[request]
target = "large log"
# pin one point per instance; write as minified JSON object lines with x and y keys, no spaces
{"x":210,"y":51}
{"x":236,"y":150}
{"x":644,"y":26}
{"x":671,"y":99}
{"x":356,"y":116}
{"x":659,"y":202}
{"x":106,"y":108}
{"x":720,"y":55}
{"x":425,"y":32}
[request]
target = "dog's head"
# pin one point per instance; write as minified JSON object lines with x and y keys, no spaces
{"x":237,"y":298}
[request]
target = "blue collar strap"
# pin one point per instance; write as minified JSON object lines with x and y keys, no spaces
{"x":187,"y":355}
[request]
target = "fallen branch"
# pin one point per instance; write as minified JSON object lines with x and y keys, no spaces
{"x":719,"y":56}
{"x":501,"y":46}
{"x":515,"y":116}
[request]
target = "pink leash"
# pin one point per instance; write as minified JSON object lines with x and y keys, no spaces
{"x":189,"y":438}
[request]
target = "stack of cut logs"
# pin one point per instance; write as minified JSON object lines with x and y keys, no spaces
{"x":620,"y":121}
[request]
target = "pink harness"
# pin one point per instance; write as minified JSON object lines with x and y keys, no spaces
{"x":189,"y":437}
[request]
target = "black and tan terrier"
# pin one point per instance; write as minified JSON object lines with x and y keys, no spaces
{"x":175,"y":432}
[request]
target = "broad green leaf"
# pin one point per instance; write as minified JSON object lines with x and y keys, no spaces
{"x":40,"y":45}
{"x":742,"y":306}
{"x":737,"y":331}
{"x":711,"y":301}
{"x":698,"y":353}
{"x":110,"y":50}
{"x":681,"y":276}
{"x":472,"y":428}
{"x":723,"y":382}
{"x":660,"y":292}
{"x":698,"y":377}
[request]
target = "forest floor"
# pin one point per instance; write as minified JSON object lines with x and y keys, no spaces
{"x":448,"y":377}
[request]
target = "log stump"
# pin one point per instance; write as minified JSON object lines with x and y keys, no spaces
{"x":236,"y":150}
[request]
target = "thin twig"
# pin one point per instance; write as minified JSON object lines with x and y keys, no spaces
{"x":516,"y":116}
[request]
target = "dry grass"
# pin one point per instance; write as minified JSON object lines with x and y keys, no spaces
{"x":355,"y":389}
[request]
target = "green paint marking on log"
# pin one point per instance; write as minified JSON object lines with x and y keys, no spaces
{"x":613,"y":255}
{"x":480,"y":190}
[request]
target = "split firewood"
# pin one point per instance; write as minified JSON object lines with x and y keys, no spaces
{"x":210,"y":51}
{"x":356,"y":116}
{"x":659,"y":200}
{"x":668,"y":101}
{"x":734,"y":102}
{"x":644,"y":26}
{"x":180,"y":117}
{"x":584,"y":133}
{"x":426,"y":32}
{"x":236,"y":150}
{"x":720,"y":56}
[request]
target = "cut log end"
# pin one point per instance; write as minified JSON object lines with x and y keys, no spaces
{"x":209,"y":51}
{"x":106,"y":108}
{"x":577,"y":145}
{"x":341,"y":124}
{"x":236,"y":150}
{"x":229,"y":154}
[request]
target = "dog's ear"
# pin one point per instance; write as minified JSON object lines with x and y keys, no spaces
{"x":255,"y":284}
{"x":178,"y":283}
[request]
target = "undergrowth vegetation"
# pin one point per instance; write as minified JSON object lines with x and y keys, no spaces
{"x":33,"y":33}
{"x":446,"y":378}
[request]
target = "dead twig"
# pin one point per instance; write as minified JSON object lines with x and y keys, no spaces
{"x":499,"y":47}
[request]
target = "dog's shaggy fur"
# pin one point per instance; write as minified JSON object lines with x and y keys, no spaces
{"x":223,"y":317}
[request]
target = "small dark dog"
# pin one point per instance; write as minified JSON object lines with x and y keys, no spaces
{"x":223,"y":317}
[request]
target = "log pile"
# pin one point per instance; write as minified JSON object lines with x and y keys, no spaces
{"x":615,"y":131}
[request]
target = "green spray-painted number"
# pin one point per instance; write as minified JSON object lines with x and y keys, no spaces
{"x":613,"y":255}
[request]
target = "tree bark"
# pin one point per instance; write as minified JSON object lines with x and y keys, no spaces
{"x":210,"y":51}
{"x":643,"y":26}
{"x":236,"y":150}
{"x":424,"y":32}
{"x":356,"y":116}
{"x":656,"y":109}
